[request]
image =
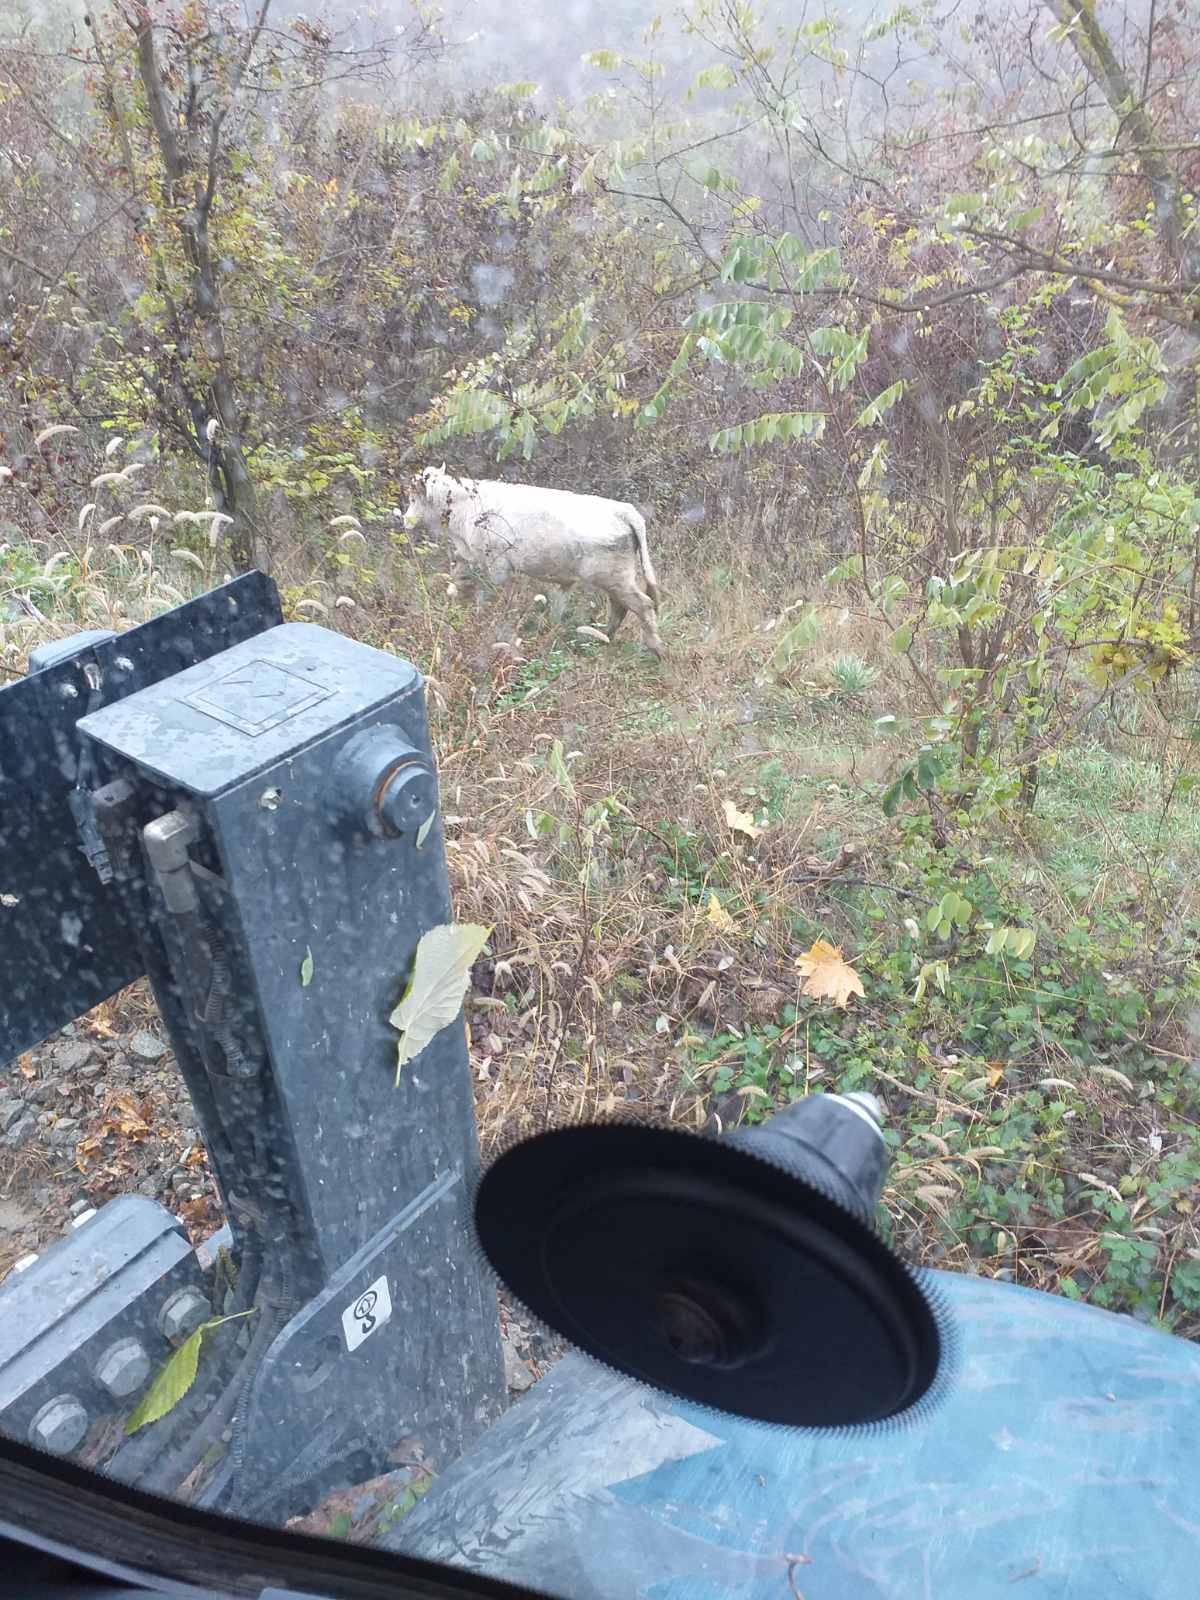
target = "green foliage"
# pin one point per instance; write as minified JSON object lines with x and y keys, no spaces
{"x":796,"y":640}
{"x":1118,"y":381}
{"x":753,"y":1065}
{"x":692,"y":870}
{"x":772,"y":428}
{"x":533,"y":676}
{"x":1003,"y":1039}
{"x":852,"y":676}
{"x":26,"y":571}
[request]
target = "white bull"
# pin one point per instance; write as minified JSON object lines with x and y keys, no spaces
{"x":499,"y":530}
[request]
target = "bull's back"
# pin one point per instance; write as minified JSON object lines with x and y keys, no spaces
{"x":563,"y":504}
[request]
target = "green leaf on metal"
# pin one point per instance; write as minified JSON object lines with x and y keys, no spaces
{"x":176,"y":1376}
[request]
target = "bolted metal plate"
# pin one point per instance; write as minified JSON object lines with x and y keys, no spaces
{"x":64,"y":942}
{"x":256,"y":697}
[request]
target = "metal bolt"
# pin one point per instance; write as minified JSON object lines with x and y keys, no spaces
{"x":407,"y":797}
{"x":182,"y":1313}
{"x":123,"y":1368}
{"x":60,"y":1426}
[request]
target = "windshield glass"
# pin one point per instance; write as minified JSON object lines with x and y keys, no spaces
{"x":573,"y":565}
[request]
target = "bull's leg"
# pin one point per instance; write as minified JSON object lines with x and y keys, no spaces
{"x":631,"y":598}
{"x":558,"y":601}
{"x":464,"y":584}
{"x":617,"y":612}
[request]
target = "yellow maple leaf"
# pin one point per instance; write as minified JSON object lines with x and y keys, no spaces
{"x":719,"y":917}
{"x":827,"y":976}
{"x":741,"y":821}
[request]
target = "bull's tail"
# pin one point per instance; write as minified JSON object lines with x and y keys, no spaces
{"x":637,"y":526}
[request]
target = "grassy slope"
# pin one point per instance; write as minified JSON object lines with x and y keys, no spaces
{"x":1043,"y":1113}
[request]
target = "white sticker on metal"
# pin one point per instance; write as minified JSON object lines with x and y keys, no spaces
{"x":366,"y":1314}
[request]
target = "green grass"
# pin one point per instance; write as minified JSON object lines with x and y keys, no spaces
{"x":1105,"y":813}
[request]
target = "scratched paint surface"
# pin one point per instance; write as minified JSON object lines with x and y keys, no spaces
{"x":1065,"y":1463}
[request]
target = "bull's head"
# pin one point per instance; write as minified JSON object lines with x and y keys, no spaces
{"x":424,"y":488}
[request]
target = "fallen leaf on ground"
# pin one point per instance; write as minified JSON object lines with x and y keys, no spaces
{"x":719,"y":917}
{"x":827,"y":976}
{"x":741,"y":821}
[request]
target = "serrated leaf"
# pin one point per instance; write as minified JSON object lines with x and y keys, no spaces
{"x":434,"y":996}
{"x":827,"y":975}
{"x":306,"y":968}
{"x":171,"y":1384}
{"x":176,"y":1376}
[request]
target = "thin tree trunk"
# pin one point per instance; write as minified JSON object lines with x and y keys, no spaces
{"x":190,"y":214}
{"x":1099,"y":59}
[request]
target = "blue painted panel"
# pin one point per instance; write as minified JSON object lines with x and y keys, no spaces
{"x":1065,"y":1462}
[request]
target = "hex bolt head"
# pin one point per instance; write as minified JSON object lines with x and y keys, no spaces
{"x":407,"y":798}
{"x":60,"y":1426}
{"x":123,"y":1368}
{"x":182,"y":1313}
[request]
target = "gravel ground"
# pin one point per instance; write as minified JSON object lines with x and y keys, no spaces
{"x":91,"y":1114}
